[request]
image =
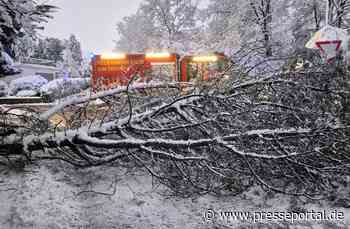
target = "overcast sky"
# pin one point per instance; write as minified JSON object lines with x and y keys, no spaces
{"x":92,"y":21}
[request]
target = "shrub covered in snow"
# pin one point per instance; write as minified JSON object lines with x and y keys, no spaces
{"x":7,"y":58}
{"x":32,"y":83}
{"x":27,"y":93}
{"x":64,"y":87}
{"x":3,"y":88}
{"x":7,"y":65}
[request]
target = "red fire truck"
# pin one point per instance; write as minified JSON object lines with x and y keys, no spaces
{"x":110,"y":70}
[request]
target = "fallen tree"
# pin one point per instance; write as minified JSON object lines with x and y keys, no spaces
{"x":288,"y":132}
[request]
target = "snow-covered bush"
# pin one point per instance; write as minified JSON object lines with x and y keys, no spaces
{"x":3,"y":88}
{"x":27,"y":93}
{"x":7,"y":59}
{"x":7,"y":65}
{"x":33,"y":83}
{"x":64,"y":87}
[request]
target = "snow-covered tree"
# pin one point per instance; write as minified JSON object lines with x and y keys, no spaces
{"x":69,"y":65}
{"x":40,"y":49}
{"x":54,"y":49}
{"x":75,"y":48}
{"x":20,"y":17}
{"x":252,"y":30}
{"x":262,"y":16}
{"x":339,"y":13}
{"x":305,"y":18}
{"x":137,"y":33}
{"x":72,"y":57}
{"x":223,"y":19}
{"x":159,"y":24}
{"x":24,"y":48}
{"x":174,"y":19}
{"x":49,"y":49}
{"x":235,"y":24}
{"x":284,"y":132}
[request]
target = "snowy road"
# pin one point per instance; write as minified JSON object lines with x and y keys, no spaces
{"x":55,"y":196}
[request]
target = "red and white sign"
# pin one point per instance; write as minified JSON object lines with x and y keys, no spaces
{"x":329,"y":49}
{"x":329,"y":40}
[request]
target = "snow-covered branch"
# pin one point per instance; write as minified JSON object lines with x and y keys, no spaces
{"x":282,"y":125}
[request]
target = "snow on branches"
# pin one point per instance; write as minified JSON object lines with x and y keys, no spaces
{"x":285,"y":132}
{"x":20,"y":18}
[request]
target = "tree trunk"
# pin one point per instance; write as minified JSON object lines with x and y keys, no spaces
{"x":340,"y":13}
{"x":267,"y":30}
{"x":316,"y":16}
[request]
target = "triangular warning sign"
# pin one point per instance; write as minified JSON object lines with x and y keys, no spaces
{"x":329,"y":48}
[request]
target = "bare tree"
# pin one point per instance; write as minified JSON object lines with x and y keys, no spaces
{"x":263,"y":18}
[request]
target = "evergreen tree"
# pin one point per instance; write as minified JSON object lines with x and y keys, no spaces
{"x":75,"y":48}
{"x":24,"y":48}
{"x":54,"y":49}
{"x":70,"y":64}
{"x":49,"y":49}
{"x":19,"y":18}
{"x":40,"y":50}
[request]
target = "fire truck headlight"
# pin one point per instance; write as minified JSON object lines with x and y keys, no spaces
{"x":158,"y":55}
{"x":205,"y":59}
{"x":116,"y":56}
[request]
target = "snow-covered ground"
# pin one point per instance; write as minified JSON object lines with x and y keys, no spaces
{"x":56,"y":196}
